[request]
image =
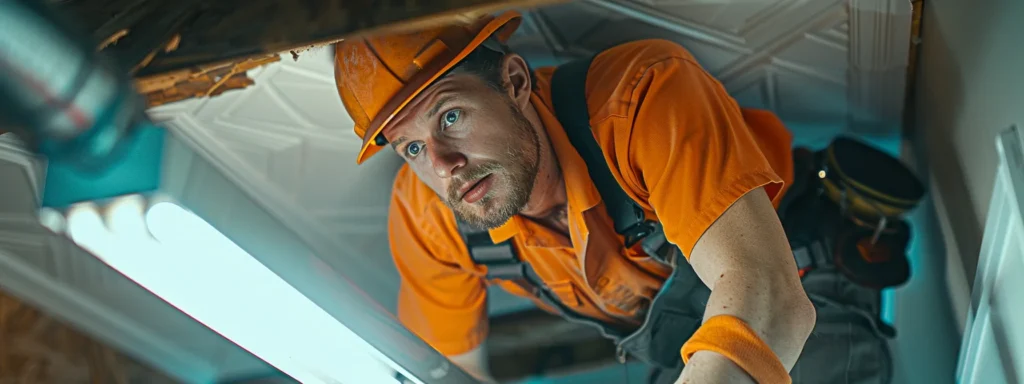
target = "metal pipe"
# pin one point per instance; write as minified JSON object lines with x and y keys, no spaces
{"x":72,"y":102}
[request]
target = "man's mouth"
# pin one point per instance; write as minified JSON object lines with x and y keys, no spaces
{"x":474,"y":191}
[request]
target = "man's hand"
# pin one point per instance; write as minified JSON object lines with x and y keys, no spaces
{"x":744,"y":257}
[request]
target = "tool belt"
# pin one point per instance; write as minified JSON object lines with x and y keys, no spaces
{"x":845,"y":210}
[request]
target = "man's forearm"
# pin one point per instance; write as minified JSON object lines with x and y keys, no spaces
{"x":771,"y":303}
{"x":745,"y":259}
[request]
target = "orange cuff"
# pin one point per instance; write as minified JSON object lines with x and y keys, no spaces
{"x":731,"y":337}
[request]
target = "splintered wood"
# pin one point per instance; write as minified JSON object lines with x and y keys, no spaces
{"x":199,"y":82}
{"x":36,"y":348}
{"x":224,"y":31}
{"x":167,"y":44}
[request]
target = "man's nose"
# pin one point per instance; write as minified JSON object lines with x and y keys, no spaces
{"x":445,"y":159}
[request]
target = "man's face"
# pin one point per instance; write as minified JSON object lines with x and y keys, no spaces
{"x":472,"y":145}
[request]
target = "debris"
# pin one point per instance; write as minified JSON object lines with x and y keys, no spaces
{"x":112,"y":39}
{"x":173,"y":44}
{"x":240,"y":68}
{"x":145,"y":61}
{"x":207,"y":81}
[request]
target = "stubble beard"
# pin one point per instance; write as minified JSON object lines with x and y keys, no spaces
{"x":514,"y":178}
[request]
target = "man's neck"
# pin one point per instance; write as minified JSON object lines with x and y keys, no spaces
{"x":548,"y":195}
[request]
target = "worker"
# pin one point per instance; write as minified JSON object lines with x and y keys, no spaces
{"x":485,"y":147}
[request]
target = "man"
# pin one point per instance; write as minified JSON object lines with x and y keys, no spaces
{"x":483,"y":146}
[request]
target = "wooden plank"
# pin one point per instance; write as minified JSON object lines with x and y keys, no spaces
{"x":912,"y":64}
{"x":198,"y":82}
{"x":178,"y":49}
{"x":230,"y":31}
{"x":151,"y":34}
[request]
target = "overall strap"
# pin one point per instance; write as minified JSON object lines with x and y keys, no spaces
{"x":501,"y":259}
{"x":568,"y":91}
{"x":569,"y":97}
{"x":503,"y":263}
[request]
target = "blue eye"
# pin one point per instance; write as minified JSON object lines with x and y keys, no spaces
{"x":450,"y":118}
{"x":413,"y":149}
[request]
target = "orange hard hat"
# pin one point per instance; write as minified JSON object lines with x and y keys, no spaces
{"x":377,"y":76}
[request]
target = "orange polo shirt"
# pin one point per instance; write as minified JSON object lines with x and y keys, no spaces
{"x":673,"y":138}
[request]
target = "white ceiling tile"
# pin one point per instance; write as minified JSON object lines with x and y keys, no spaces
{"x":303,"y":75}
{"x":262,"y":106}
{"x":819,"y":56}
{"x":164,"y":112}
{"x":729,"y":16}
{"x":319,"y":104}
{"x":838,"y":35}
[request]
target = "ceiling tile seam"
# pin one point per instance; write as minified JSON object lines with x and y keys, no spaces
{"x":242,"y":98}
{"x":727,"y":75}
{"x":189,"y":129}
{"x":543,"y":25}
{"x":809,"y":71}
{"x":288,"y":106}
{"x":766,"y":14}
{"x":277,"y":130}
{"x":238,"y":132}
{"x":308,"y":73}
{"x":826,"y":41}
{"x":676,"y":25}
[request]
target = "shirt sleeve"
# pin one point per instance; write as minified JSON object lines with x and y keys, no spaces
{"x":690,"y":150}
{"x":439,"y":300}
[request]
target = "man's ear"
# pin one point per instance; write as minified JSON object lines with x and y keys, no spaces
{"x":517,"y":79}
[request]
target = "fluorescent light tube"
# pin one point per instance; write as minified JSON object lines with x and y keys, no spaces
{"x":184,"y":260}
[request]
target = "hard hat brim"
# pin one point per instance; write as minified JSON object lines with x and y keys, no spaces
{"x":505,"y":23}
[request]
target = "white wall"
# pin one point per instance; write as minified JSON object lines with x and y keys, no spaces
{"x":970,"y":86}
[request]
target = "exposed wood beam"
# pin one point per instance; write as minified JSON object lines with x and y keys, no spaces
{"x":203,"y":81}
{"x":177,"y":49}
{"x":216,"y":32}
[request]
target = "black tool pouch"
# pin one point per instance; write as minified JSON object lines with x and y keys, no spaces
{"x":672,"y":317}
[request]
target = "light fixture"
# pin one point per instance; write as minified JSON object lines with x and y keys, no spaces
{"x":187,"y":262}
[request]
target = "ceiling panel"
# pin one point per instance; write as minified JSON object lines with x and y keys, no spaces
{"x":824,"y":62}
